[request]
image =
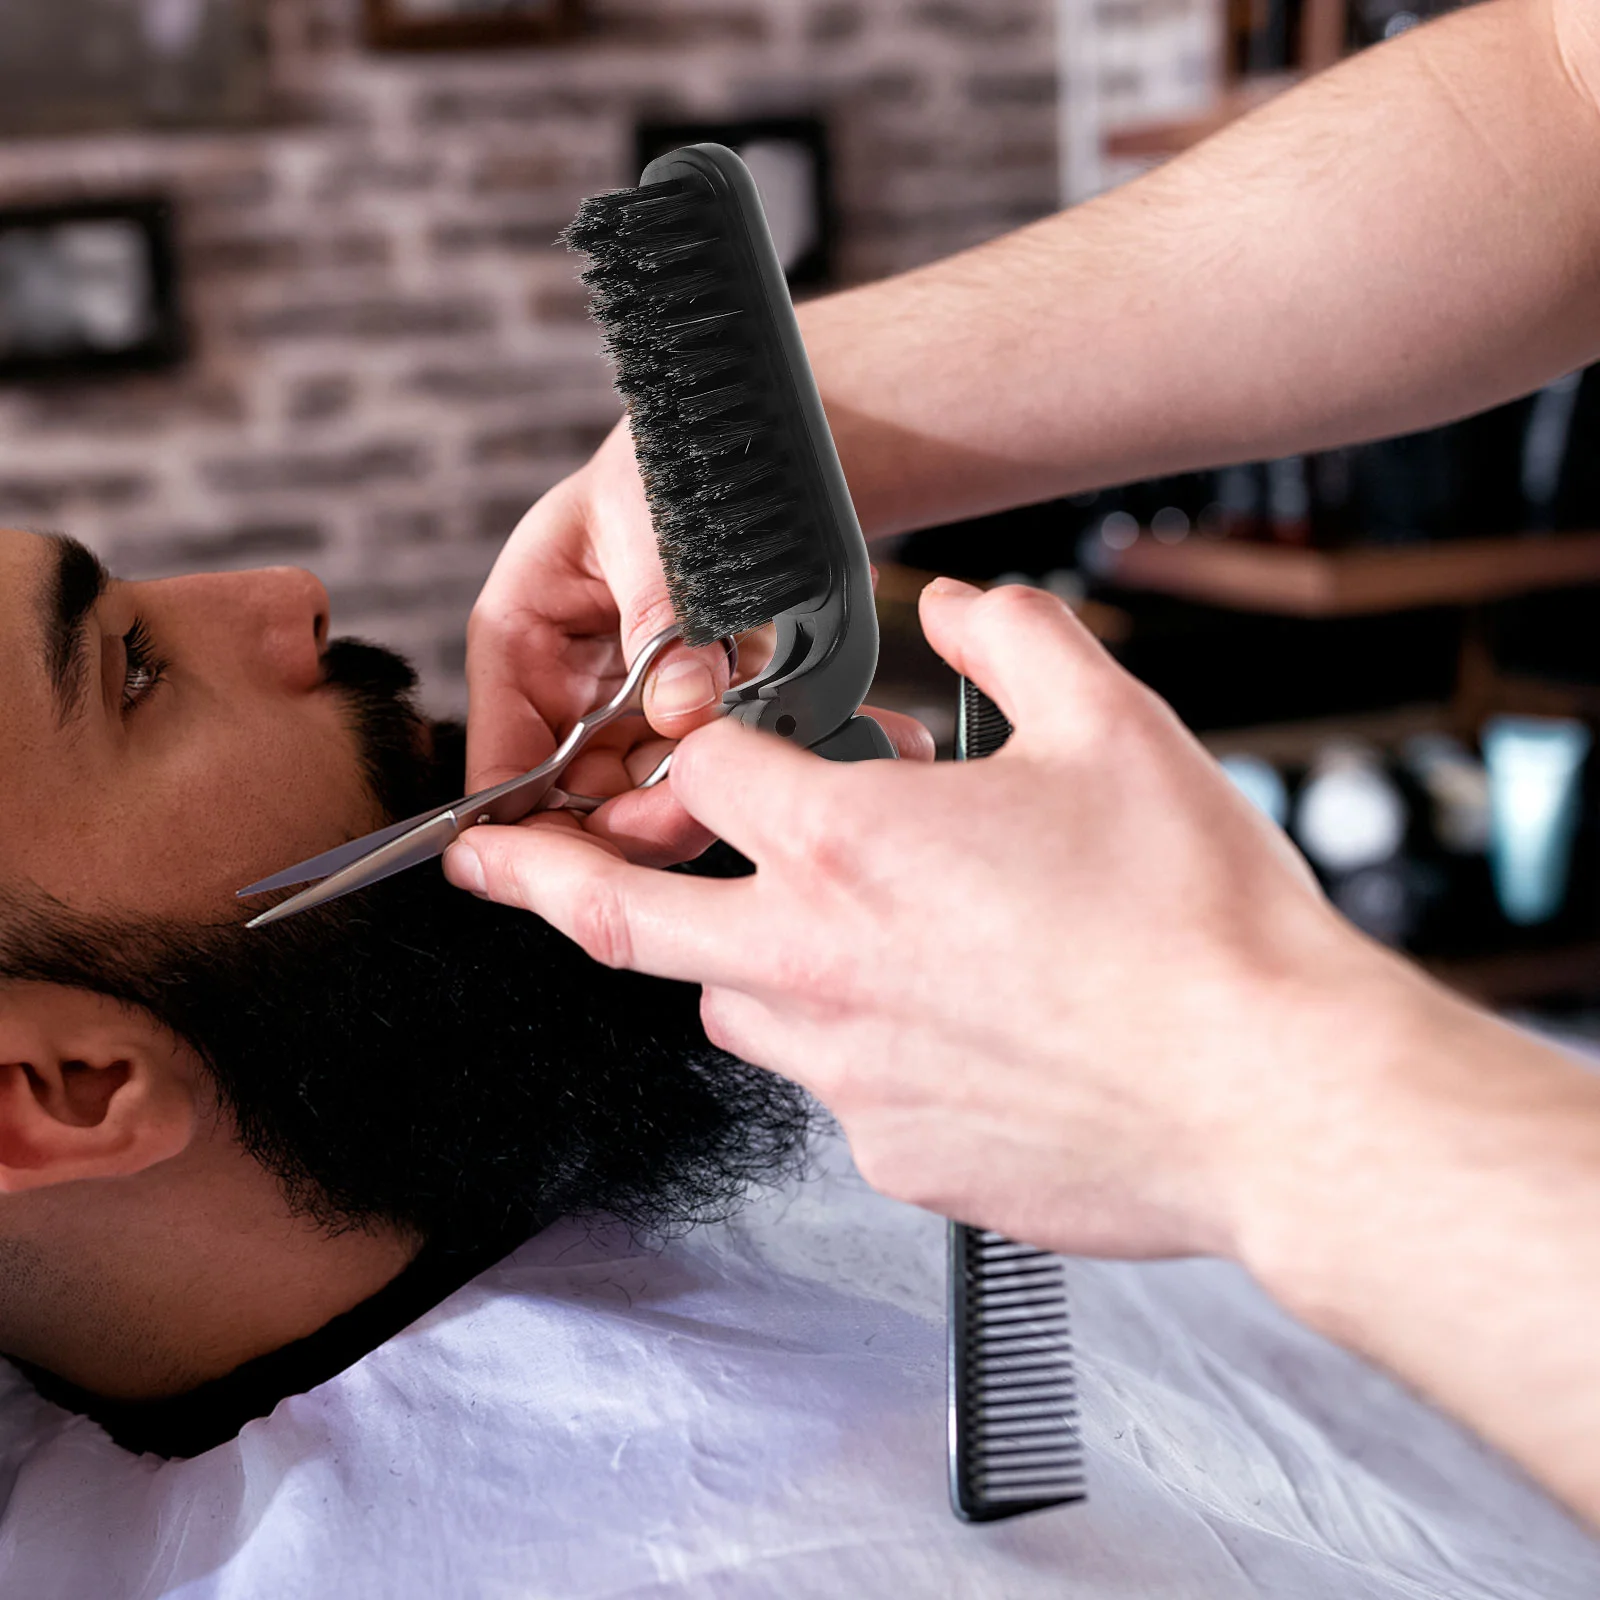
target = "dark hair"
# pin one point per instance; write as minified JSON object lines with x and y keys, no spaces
{"x":415,"y":1056}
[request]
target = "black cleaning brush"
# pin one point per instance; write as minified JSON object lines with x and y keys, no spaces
{"x":752,"y":517}
{"x":754,"y":524}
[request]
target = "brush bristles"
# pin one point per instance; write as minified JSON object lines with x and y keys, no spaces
{"x":725,"y":490}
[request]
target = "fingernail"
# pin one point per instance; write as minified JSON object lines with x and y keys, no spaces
{"x":681,"y":686}
{"x":951,"y":589}
{"x":464,"y":868}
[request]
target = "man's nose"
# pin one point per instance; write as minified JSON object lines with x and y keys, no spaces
{"x":292,"y":606}
{"x":278,"y":620}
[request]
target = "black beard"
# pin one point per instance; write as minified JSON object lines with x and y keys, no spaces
{"x":399,"y":766}
{"x":413,"y":1056}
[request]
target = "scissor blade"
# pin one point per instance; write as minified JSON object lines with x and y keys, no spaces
{"x":431,"y":838}
{"x":337,"y":859}
{"x":504,"y":803}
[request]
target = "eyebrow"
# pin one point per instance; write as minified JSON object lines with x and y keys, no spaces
{"x":72,"y":588}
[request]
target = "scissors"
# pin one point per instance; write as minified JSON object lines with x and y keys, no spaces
{"x":424,"y":837}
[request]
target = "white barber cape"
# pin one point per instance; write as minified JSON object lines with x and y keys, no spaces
{"x":758,"y":1412}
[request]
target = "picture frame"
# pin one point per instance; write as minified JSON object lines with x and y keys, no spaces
{"x":468,"y":24}
{"x":88,"y":288}
{"x":789,"y":159}
{"x":88,"y":66}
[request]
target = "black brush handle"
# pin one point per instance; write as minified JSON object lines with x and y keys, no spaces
{"x":826,"y":650}
{"x":860,"y":739}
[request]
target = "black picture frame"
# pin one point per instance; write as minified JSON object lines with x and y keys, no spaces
{"x":86,"y":66}
{"x":473,"y":26}
{"x":812,"y":268}
{"x":37,"y":240}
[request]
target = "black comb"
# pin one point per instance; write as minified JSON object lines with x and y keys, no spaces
{"x":752,"y":516}
{"x":1014,"y":1440}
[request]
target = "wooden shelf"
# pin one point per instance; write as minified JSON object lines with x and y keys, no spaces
{"x":1294,"y":743}
{"x":1324,"y":25}
{"x":1153,"y":140}
{"x":1297,"y":743}
{"x":899,"y":588}
{"x":1522,"y":975}
{"x":1344,"y":583}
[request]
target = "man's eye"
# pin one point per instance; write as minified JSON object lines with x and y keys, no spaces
{"x":145,"y":670}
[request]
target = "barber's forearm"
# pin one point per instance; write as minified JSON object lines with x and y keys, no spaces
{"x":1438,"y":1210}
{"x":1405,"y":239}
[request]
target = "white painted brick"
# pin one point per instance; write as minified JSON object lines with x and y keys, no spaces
{"x":393,"y":151}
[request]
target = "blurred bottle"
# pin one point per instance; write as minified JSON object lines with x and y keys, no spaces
{"x":1546,"y":448}
{"x":1455,"y":784}
{"x":1351,"y":819}
{"x":1577,"y":501}
{"x":1535,"y":793}
{"x":1288,"y":501}
{"x":1261,"y":784}
{"x":1349,"y":813}
{"x":1333,"y":523}
{"x":1262,"y":35}
{"x":1373,"y":21}
{"x":1241,"y":498}
{"x":1406,"y":490}
{"x":1448,"y":844}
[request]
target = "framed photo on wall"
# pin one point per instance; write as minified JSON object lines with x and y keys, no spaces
{"x":468,"y":24}
{"x":87,"y":288}
{"x":788,"y":158}
{"x":79,"y":66}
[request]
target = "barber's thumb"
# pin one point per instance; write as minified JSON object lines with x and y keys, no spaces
{"x":684,"y":689}
{"x":510,"y":865}
{"x":751,"y":788}
{"x":463,"y":867}
{"x":1021,"y":646}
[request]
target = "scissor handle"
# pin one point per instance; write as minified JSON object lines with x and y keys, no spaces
{"x":366,"y":861}
{"x":520,"y":797}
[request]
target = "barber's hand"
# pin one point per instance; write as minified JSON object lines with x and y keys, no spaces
{"x":1080,"y":991}
{"x":575,"y":595}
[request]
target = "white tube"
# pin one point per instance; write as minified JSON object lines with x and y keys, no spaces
{"x":1350,"y":814}
{"x":1535,"y":781}
{"x":1260,"y":783}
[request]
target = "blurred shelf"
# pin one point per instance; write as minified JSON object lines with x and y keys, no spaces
{"x":1545,"y":697}
{"x":1170,"y":136}
{"x":911,"y":678}
{"x":899,"y":586}
{"x":1296,"y":743}
{"x":1343,"y":583}
{"x":1522,"y":975}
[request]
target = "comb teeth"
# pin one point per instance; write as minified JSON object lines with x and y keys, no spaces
{"x":1014,"y":1440}
{"x":1015,"y":1416}
{"x":981,"y":725}
{"x":726,"y":491}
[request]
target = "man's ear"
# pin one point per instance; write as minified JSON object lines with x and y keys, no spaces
{"x":88,"y":1088}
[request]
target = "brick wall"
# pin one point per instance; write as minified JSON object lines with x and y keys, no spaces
{"x":1124,"y":62}
{"x":391,"y":357}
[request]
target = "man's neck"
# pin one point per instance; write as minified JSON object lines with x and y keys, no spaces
{"x":146,"y":1288}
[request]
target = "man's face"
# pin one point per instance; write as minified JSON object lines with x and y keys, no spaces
{"x":166,"y":742}
{"x":406,"y":1055}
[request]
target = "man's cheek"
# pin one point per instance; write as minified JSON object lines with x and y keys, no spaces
{"x":228,"y":810}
